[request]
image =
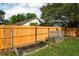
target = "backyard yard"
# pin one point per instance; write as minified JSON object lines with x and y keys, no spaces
{"x":69,"y":47}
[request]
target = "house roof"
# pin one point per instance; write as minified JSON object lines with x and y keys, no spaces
{"x":24,"y":22}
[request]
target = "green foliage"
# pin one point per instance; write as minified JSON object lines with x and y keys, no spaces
{"x":30,"y":15}
{"x":20,"y":17}
{"x":11,"y":54}
{"x":6,"y":22}
{"x":50,"y":10}
{"x":17,"y":18}
{"x":49,"y":13}
{"x":33,"y":24}
{"x":48,"y":22}
{"x":13,"y":19}
{"x":62,"y":11}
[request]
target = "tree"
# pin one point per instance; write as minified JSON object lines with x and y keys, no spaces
{"x":30,"y":15}
{"x":49,"y":13}
{"x":65,"y":12}
{"x":20,"y":17}
{"x":17,"y":18}
{"x":13,"y":19}
{"x":6,"y":22}
{"x":50,"y":10}
{"x":72,"y":14}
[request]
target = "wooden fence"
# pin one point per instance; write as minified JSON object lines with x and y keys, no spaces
{"x":71,"y":32}
{"x":18,"y":36}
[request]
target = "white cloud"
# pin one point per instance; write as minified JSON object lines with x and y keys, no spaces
{"x":24,"y":8}
{"x":14,"y":11}
{"x":36,"y":5}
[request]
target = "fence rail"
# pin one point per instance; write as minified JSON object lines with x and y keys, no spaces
{"x":18,"y":36}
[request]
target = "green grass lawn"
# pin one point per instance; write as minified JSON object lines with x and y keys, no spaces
{"x":69,"y":47}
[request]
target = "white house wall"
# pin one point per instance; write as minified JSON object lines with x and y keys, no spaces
{"x":33,"y":21}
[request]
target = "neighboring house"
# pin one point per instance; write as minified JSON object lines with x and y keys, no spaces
{"x":2,"y":16}
{"x":28,"y":21}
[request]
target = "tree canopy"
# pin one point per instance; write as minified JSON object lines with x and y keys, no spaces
{"x":30,"y":15}
{"x":62,"y":11}
{"x":6,"y":22}
{"x":13,"y":19}
{"x":20,"y":17}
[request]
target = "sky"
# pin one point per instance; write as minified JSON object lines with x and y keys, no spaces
{"x":17,"y":8}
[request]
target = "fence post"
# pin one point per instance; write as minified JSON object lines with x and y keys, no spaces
{"x":11,"y":36}
{"x":48,"y":31}
{"x":36,"y":34}
{"x":3,"y":27}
